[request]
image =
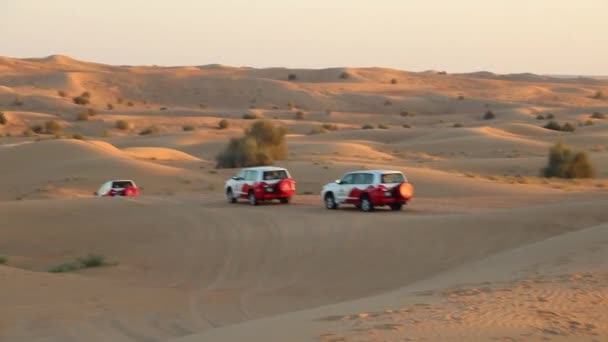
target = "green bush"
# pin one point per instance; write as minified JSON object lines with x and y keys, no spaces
{"x":367,"y":126}
{"x":598,"y":115}
{"x":223,"y":124}
{"x":291,"y":105}
{"x":3,"y":260}
{"x":550,"y":116}
{"x":86,"y":95}
{"x":78,"y":136}
{"x":404,"y":113}
{"x":122,"y":125}
{"x":38,"y":129}
{"x":598,"y":95}
{"x":382,"y":126}
{"x":262,"y":144}
{"x":568,"y":127}
{"x":489,"y":115}
{"x":250,"y":116}
{"x":81,"y":100}
{"x":188,"y":128}
{"x":52,"y":127}
{"x":82,"y":116}
{"x":65,"y":267}
{"x":292,"y":77}
{"x":540,"y":117}
{"x":150,"y":130}
{"x":3,"y":119}
{"x":317,"y":130}
{"x":563,"y":163}
{"x":589,"y":122}
{"x":299,"y":115}
{"x":88,"y":261}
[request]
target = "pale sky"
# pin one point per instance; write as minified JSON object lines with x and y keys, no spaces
{"x":505,"y":36}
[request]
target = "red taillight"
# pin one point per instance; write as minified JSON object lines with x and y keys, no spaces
{"x":406,"y":191}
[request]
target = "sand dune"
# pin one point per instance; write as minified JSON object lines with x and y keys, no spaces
{"x":487,"y":250}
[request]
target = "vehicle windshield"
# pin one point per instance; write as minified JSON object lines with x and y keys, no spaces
{"x":393,"y":178}
{"x":276,"y":174}
{"x":121,"y":184}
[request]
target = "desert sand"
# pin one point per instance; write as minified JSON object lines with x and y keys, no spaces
{"x":487,"y":251}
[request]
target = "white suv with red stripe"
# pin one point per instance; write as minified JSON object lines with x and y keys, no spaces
{"x":258,"y":184}
{"x":368,"y":189}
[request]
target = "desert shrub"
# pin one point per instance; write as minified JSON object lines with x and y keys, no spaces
{"x":553,"y":125}
{"x":317,"y":130}
{"x":3,"y":119}
{"x":388,"y":102}
{"x":250,"y":116}
{"x":382,"y":126}
{"x":30,"y":132}
{"x":52,"y":127}
{"x":292,"y":77}
{"x":110,"y":106}
{"x":86,"y":94}
{"x":163,"y":108}
{"x":78,"y":136}
{"x":404,"y":113}
{"x":598,"y":95}
{"x":568,"y":127}
{"x":84,"y":116}
{"x":120,"y":100}
{"x":223,"y":124}
{"x":563,"y":163}
{"x":598,"y":115}
{"x":81,"y":100}
{"x":367,"y":126}
{"x":38,"y":129}
{"x":262,"y":144}
{"x":458,"y":125}
{"x":345,"y":75}
{"x":330,"y":127}
{"x":460,"y":97}
{"x":105,"y":133}
{"x":550,"y":116}
{"x":91,"y":112}
{"x":88,"y":261}
{"x":122,"y":125}
{"x":589,"y":122}
{"x":3,"y":260}
{"x":291,"y":105}
{"x":489,"y":115}
{"x":540,"y":117}
{"x":299,"y":115}
{"x":62,"y":93}
{"x":406,"y":126}
{"x":202,"y":106}
{"x":188,"y":128}
{"x":394,"y":81}
{"x":442,"y":73}
{"x":18,"y":102}
{"x":130,"y":104}
{"x":150,"y":130}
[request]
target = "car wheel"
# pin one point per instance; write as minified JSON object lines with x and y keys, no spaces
{"x":252,"y":199}
{"x":366,"y":204}
{"x":330,"y":201}
{"x":396,"y":206}
{"x":230,"y":196}
{"x":285,"y":200}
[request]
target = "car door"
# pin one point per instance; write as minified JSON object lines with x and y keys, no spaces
{"x":249,"y":182}
{"x":361,"y":182}
{"x":344,"y":188}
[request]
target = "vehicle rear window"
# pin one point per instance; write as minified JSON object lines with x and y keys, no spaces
{"x":121,"y":184}
{"x":393,"y":178}
{"x":274,"y":175}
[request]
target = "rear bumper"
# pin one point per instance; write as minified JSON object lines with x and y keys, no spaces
{"x":389,"y":200}
{"x":267,"y":196}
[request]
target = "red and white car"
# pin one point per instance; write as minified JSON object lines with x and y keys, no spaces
{"x":368,"y":189}
{"x":118,"y":188}
{"x":258,"y":184}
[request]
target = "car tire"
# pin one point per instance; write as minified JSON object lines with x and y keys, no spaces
{"x":230,"y":196}
{"x":285,"y":200}
{"x":330,"y":201}
{"x":396,"y":206}
{"x":252,"y":200}
{"x":366,"y":204}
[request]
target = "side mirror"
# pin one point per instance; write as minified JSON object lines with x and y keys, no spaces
{"x":237,"y":178}
{"x":338,"y":181}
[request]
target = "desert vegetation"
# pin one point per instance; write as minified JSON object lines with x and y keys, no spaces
{"x":3,"y":119}
{"x":250,"y":116}
{"x":292,"y":77}
{"x":555,"y":126}
{"x":83,"y":99}
{"x":564,"y":163}
{"x":188,"y":128}
{"x":89,"y":261}
{"x":153,"y":129}
{"x":598,"y":115}
{"x":489,"y":115}
{"x":223,"y":124}
{"x":262,"y":143}
{"x":367,"y":126}
{"x":122,"y":125}
{"x":84,"y":116}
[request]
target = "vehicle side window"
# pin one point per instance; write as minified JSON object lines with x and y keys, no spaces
{"x":348,"y":179}
{"x":242,"y":174}
{"x":369,"y":178}
{"x":251,"y":176}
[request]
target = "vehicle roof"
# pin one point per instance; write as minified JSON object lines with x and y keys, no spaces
{"x":265,"y":168}
{"x":375,"y":171}
{"x":120,"y":180}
